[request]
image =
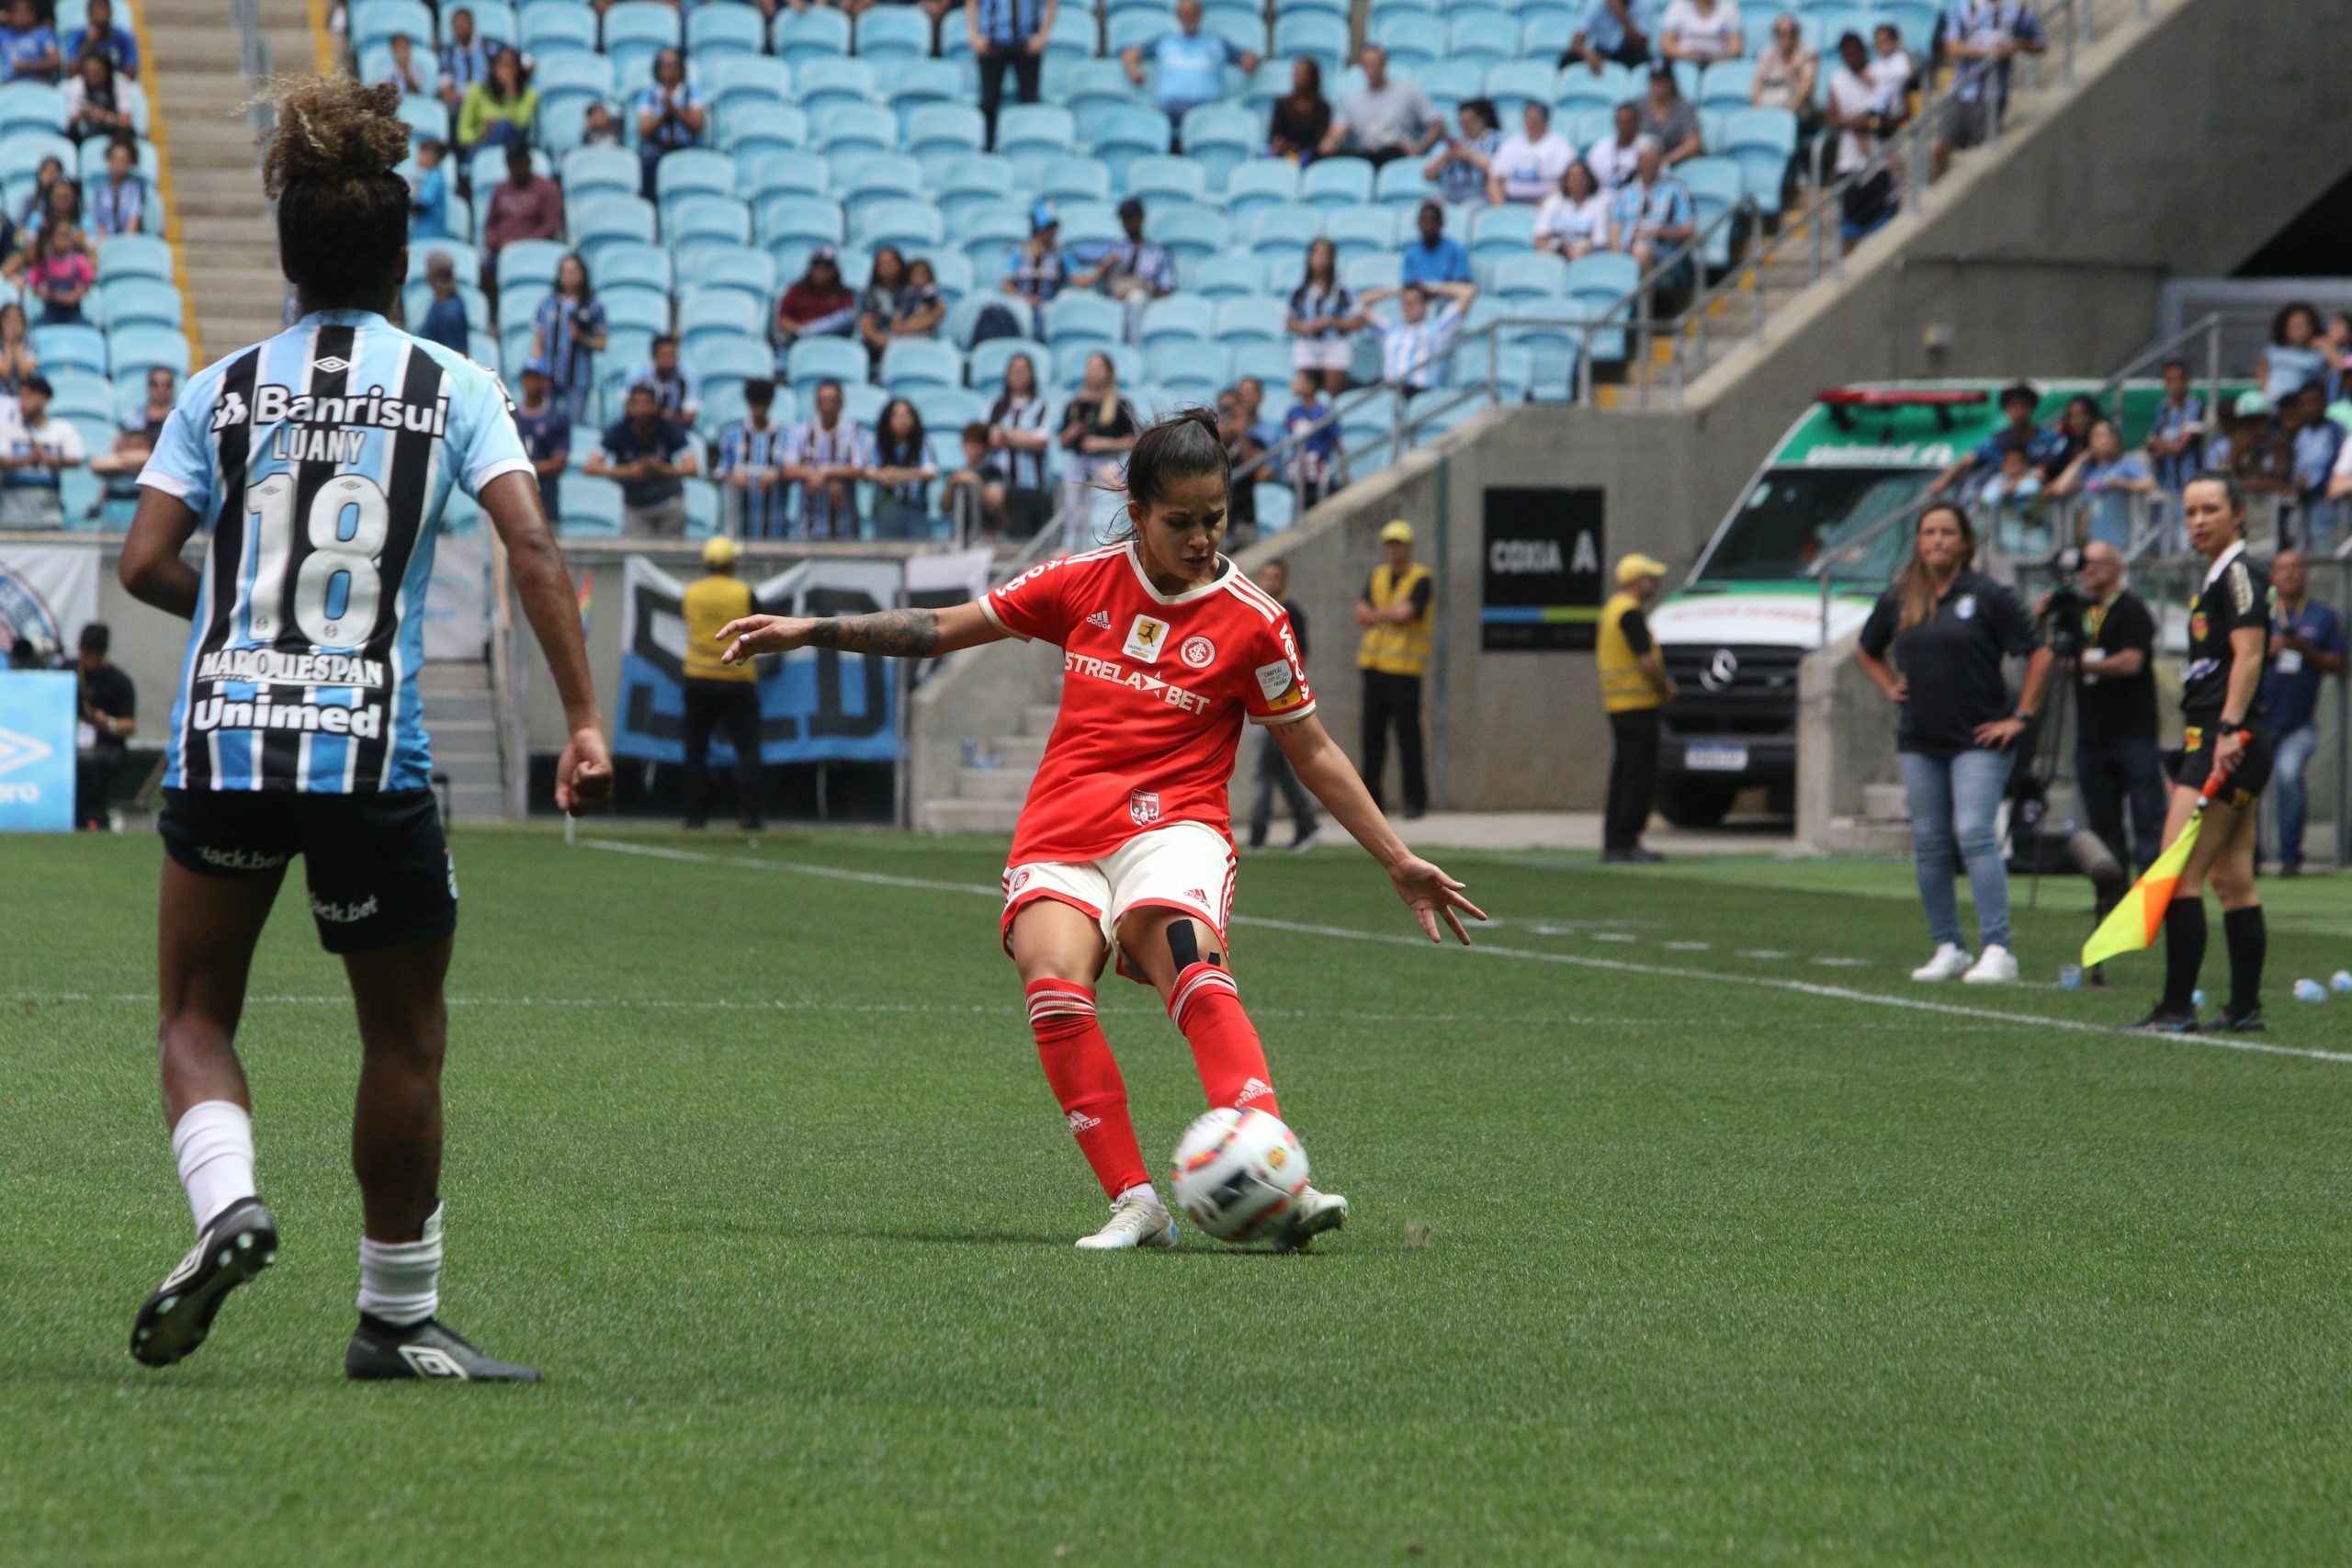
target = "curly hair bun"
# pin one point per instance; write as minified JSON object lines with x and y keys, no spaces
{"x":331,"y":131}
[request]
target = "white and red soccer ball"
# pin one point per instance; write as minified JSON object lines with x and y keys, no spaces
{"x":1239,"y":1174}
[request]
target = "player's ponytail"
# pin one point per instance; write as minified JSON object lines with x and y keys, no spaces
{"x":1183,"y":446}
{"x":342,"y":210}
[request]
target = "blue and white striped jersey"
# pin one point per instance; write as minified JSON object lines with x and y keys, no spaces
{"x":319,"y":461}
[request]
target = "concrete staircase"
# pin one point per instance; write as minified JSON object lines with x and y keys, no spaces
{"x":987,"y":798}
{"x":228,"y":242}
{"x":461,"y":714}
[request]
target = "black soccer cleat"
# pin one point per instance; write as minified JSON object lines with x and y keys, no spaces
{"x":2248,"y":1022}
{"x":383,"y":1352}
{"x":240,"y":1243}
{"x":2169,"y":1020}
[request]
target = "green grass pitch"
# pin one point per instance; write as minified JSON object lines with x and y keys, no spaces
{"x":1677,"y":1239}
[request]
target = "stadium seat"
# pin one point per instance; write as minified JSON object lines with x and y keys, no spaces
{"x":1191,"y":233}
{"x":1083,"y":319}
{"x":1715,"y":188}
{"x":912,"y":362}
{"x":1179,"y":317}
{"x":1220,"y":138}
{"x":379,"y":21}
{"x":633,"y":263}
{"x":1550,"y":332}
{"x":1255,"y":317}
{"x":1725,"y":85}
{"x":729,"y":359}
{"x":743,"y":268}
{"x":714,"y":31}
{"x":1255,"y":187}
{"x":592,"y":171}
{"x":1402,"y":184}
{"x":1263,"y":358}
{"x":602,"y":220}
{"x":1316,"y":34}
{"x":494,"y":19}
{"x":69,"y":347}
{"x":1916,"y":21}
{"x":952,"y":271}
{"x":1502,"y":231}
{"x":1361,"y":231}
{"x":551,"y":28}
{"x":1580,"y":88}
{"x":635,"y":30}
{"x":984,"y":367}
{"x":731,"y":311}
{"x":792,"y":216}
{"x":1383,"y":269}
{"x":1276,"y":504}
{"x":1281,"y":234}
{"x":1450,"y":83}
{"x":813,"y":359}
{"x":631,"y":308}
{"x":708,"y":220}
{"x":426,"y":117}
{"x":1514,"y":82}
{"x":1029,"y":134}
{"x":1089,"y":226}
{"x":591,"y":505}
{"x":1480,"y":33}
{"x":908,"y":225}
{"x":1602,"y":286}
{"x":1083,"y":84}
{"x":1761,"y":142}
{"x":1332,"y":183}
{"x":990,"y":231}
{"x":946,"y":410}
{"x":1119,"y":135}
{"x":812,"y":34}
{"x":893,"y":32}
{"x":906,"y":85}
{"x":141,"y":256}
{"x":1074,"y":35}
{"x":862,"y":402}
{"x":1071,"y":179}
{"x":1528,"y":275}
{"x":1232,"y":276}
{"x":136,"y":350}
{"x":1413,"y":40}
{"x":829,"y":80}
{"x":1164,"y":176}
{"x":862,"y":175}
{"x":933,"y":128}
{"x":969,"y":184}
{"x":1544,"y":35}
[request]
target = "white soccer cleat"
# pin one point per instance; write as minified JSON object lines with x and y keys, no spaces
{"x":1137,"y":1219}
{"x":1949,"y":964}
{"x":1997,"y":968}
{"x":1309,"y":1217}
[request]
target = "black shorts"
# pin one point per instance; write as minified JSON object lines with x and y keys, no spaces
{"x":2246,"y":781}
{"x":378,"y":867}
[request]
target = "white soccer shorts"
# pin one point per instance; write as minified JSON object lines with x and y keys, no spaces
{"x":1183,"y":866}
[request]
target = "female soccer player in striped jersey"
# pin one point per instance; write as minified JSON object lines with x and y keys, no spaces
{"x":318,"y":462}
{"x":1124,"y":848}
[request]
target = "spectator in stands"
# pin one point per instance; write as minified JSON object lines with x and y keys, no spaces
{"x":93,"y":106}
{"x":1019,"y":435}
{"x":404,"y":70}
{"x":877,"y":307}
{"x":1133,"y":271}
{"x":1613,"y":158}
{"x":2110,"y":478}
{"x":501,"y":108}
{"x":1190,"y":63}
{"x":1891,"y":71}
{"x":546,"y":431}
{"x":921,"y":308}
{"x":99,"y":35}
{"x":1981,"y":38}
{"x":2336,"y":345}
{"x":444,"y":318}
{"x":2011,"y":497}
{"x":2293,"y":358}
{"x":1301,"y":117}
{"x":1434,"y":256}
{"x":2064,"y":442}
{"x":1238,"y":429}
{"x":2017,"y":403}
{"x":651,"y":457}
{"x":1036,"y":271}
{"x":1398,"y":611}
{"x":670,"y":115}
{"x":1463,"y":164}
{"x":1787,"y":71}
{"x":1386,"y":119}
{"x":28,"y":45}
{"x":48,"y":175}
{"x":1321,"y":319}
{"x":716,"y":694}
{"x":1273,"y":769}
{"x":1528,"y":165}
{"x":1935,"y":645}
{"x":1315,"y":457}
{"x":61,"y":274}
{"x":974,"y":495}
{"x":1574,"y":219}
{"x":824,"y":458}
{"x":465,"y":59}
{"x":1008,"y":35}
{"x":2255,"y":449}
{"x":902,"y":473}
{"x":109,"y":707}
{"x":1702,"y":31}
{"x":525,"y":205}
{"x":568,"y":333}
{"x":1414,"y":347}
{"x":2176,"y":435}
{"x":1859,"y":114}
{"x":599,"y":126}
{"x":1098,"y":430}
{"x":2318,"y":442}
{"x":1651,"y":217}
{"x":134,"y":440}
{"x":677,"y":389}
{"x":60,"y":204}
{"x":428,"y":201}
{"x":1667,"y":119}
{"x":1615,"y":30}
{"x":751,"y":466}
{"x":817,"y":304}
{"x":17,"y":359}
{"x":34,"y":450}
{"x":2306,"y":647}
{"x":119,"y":202}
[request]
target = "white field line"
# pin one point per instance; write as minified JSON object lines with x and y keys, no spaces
{"x":1573,"y":960}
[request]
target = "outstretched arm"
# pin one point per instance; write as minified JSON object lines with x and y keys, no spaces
{"x":1323,"y":768}
{"x":900,"y":633}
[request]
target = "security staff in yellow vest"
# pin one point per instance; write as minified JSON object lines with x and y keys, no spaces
{"x":1397,"y":613}
{"x":1634,"y":686}
{"x":719,"y":693}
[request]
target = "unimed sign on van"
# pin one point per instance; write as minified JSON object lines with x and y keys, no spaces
{"x":1540,"y":569}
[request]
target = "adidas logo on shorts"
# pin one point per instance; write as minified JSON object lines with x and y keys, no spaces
{"x":1080,"y":1122}
{"x":1251,"y":1090}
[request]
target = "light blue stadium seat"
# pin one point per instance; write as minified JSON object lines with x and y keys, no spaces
{"x":745,"y":269}
{"x":1402,"y":184}
{"x":984,"y":367}
{"x":1179,"y":317}
{"x":136,"y":302}
{"x":1600,"y":285}
{"x":1177,"y":358}
{"x":1579,"y":87}
{"x":1277,"y":505}
{"x":601,"y":220}
{"x":494,"y":19}
{"x":952,"y":271}
{"x":813,"y":359}
{"x":719,"y":358}
{"x":1316,"y":34}
{"x":1760,"y":141}
{"x":763,"y":130}
{"x":1088,"y":225}
{"x":1383,"y":269}
{"x":1543,"y":35}
{"x":780,"y":172}
{"x":629,"y":308}
{"x":791,"y":216}
{"x":1281,"y":234}
{"x":716,"y":31}
{"x":713,"y":317}
{"x":1531,"y":276}
{"x":1514,"y":82}
{"x":71,"y":348}
{"x":914,"y":361}
{"x":1071,"y":317}
{"x":862,"y":402}
{"x":548,"y":29}
{"x":1480,"y":33}
{"x":812,"y":34}
{"x":588,"y":171}
{"x":1083,"y":84}
{"x":932,"y":128}
{"x":1133,"y":30}
{"x":24,"y":147}
{"x":591,"y":505}
{"x":1221,"y":137}
{"x":945,"y":410}
{"x":635,"y":29}
{"x":134,"y":255}
{"x":634,"y":263}
{"x":1725,"y":85}
{"x":1916,"y":19}
{"x":908,"y":225}
{"x":1334,"y":183}
{"x":708,"y":220}
{"x":1189,"y":233}
{"x":702,"y":508}
{"x":378,"y":21}
{"x":969,"y":183}
{"x":527,"y":265}
{"x":136,"y":350}
{"x":829,"y":80}
{"x":1232,"y":276}
{"x":1240,"y":24}
{"x":1120,"y":135}
{"x":755,"y":78}
{"x":906,"y":85}
{"x":1031,"y":135}
{"x":1074,"y":35}
{"x":987,"y":230}
{"x":1547,"y":332}
{"x":1163,"y":176}
{"x":1716,"y":186}
{"x":1259,"y":318}
{"x":426,"y":117}
{"x":1264,"y":359}
{"x":1414,"y":40}
{"x":1502,"y":230}
{"x":893,"y":32}
{"x":1257,"y":185}
{"x":462,"y":256}
{"x":1361,"y":231}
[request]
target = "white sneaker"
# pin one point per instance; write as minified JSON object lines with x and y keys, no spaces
{"x":1997,"y":968}
{"x":1314,"y":1213}
{"x":1137,"y":1219}
{"x":1949,"y":964}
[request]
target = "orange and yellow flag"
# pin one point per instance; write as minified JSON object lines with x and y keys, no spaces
{"x":2134,"y":923}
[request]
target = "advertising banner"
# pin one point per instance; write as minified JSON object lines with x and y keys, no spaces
{"x":38,"y":710}
{"x":48,"y":593}
{"x":1540,"y":569}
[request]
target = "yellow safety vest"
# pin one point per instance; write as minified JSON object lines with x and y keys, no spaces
{"x":1623,"y":687}
{"x":709,"y":604}
{"x":1398,"y":648}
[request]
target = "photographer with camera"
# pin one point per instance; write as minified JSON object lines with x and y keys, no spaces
{"x":2104,"y":637}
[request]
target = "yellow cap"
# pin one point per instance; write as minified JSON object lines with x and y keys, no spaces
{"x":1398,"y":532}
{"x":719,"y":550}
{"x":1638,"y":566}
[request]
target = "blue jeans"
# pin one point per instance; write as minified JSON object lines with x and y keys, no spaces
{"x":2294,"y":754}
{"x":1952,"y":805}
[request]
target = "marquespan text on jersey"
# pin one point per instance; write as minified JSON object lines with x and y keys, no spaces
{"x":1112,"y":670}
{"x":266,"y":665}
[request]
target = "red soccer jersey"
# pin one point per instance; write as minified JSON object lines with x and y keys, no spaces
{"x":1154,"y":688}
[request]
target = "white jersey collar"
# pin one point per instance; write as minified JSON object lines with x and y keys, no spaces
{"x":1135,"y":560}
{"x":2213,"y":574}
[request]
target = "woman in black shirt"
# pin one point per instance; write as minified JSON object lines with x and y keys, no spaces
{"x":2225,"y":731}
{"x":902,"y":473}
{"x":1948,"y":628}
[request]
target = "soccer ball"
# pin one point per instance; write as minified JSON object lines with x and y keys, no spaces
{"x":1239,"y":1173}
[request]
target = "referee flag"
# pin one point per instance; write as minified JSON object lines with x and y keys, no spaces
{"x":2134,"y":923}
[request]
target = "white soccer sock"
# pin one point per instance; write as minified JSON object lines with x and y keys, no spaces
{"x":1144,"y":1188}
{"x":214,"y":1144}
{"x":400,"y":1282}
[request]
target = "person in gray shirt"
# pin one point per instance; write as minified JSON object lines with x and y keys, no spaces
{"x":1666,"y":116}
{"x":1388,"y":120}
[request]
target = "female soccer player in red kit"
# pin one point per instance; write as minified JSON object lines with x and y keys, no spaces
{"x":1124,"y":848}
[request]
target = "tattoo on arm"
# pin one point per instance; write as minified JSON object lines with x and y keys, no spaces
{"x":903,"y":633}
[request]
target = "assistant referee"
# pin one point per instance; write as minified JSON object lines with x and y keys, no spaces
{"x":1634,"y":686}
{"x":719,"y":693}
